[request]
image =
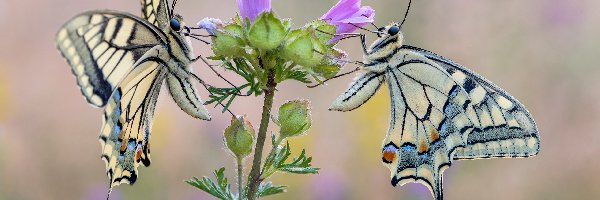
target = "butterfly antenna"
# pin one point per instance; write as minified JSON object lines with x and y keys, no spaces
{"x":405,"y":14}
{"x":172,"y":8}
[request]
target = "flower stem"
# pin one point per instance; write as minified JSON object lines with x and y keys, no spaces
{"x":240,"y":176}
{"x":254,"y":178}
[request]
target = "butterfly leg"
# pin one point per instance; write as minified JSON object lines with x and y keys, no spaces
{"x":212,"y":67}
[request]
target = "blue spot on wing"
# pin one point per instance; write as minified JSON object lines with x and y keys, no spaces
{"x":118,"y":127}
{"x":131,"y":144}
{"x":390,"y":147}
{"x":117,"y":95}
{"x":409,"y":147}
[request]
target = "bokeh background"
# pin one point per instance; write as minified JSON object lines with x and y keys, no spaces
{"x":544,"y":52}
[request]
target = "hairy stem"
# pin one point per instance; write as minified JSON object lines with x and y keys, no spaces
{"x":255,"y":179}
{"x":240,"y":176}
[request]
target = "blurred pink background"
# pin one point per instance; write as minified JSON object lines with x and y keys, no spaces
{"x":544,"y":52}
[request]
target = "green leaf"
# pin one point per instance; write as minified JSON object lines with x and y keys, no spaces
{"x":276,"y":161}
{"x":267,"y":32}
{"x":221,"y":189}
{"x":298,"y":75}
{"x":300,"y":165}
{"x":267,"y":188}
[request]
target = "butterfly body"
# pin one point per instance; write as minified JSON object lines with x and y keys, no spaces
{"x":440,"y":112}
{"x":120,"y":61}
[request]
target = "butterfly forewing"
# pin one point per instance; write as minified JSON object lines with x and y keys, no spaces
{"x":101,"y":47}
{"x":156,"y":12}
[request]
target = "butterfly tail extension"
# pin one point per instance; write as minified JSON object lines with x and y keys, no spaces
{"x":186,"y":96}
{"x":359,"y":92}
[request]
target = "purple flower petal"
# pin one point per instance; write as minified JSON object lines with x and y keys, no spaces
{"x":252,"y":8}
{"x":346,"y":15}
{"x":211,"y":24}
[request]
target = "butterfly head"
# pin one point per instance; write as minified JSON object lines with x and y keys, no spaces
{"x":176,"y":23}
{"x":389,"y":38}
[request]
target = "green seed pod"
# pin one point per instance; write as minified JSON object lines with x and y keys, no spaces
{"x":228,"y":42}
{"x":267,"y":32}
{"x":298,"y":46}
{"x":294,"y":118}
{"x":239,"y":137}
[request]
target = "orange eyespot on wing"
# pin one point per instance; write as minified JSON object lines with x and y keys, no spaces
{"x":435,"y":135}
{"x":423,"y":146}
{"x":138,"y":153}
{"x":390,"y":152}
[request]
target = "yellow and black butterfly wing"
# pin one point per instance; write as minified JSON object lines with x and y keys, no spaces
{"x":156,"y":12}
{"x":504,"y":127}
{"x":128,"y":117}
{"x":102,"y":46}
{"x":429,"y":122}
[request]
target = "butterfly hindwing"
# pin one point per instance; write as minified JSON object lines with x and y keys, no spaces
{"x":428,"y":122}
{"x":504,"y":127}
{"x":102,"y":46}
{"x":128,"y":120}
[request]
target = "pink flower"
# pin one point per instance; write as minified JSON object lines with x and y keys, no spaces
{"x":252,"y":8}
{"x":346,"y":15}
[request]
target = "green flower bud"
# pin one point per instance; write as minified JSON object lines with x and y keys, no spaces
{"x":330,"y":66}
{"x":267,"y":32}
{"x":228,"y":42}
{"x":294,"y":118}
{"x":323,"y":30}
{"x":298,"y":46}
{"x":304,"y":47}
{"x":239,"y":137}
